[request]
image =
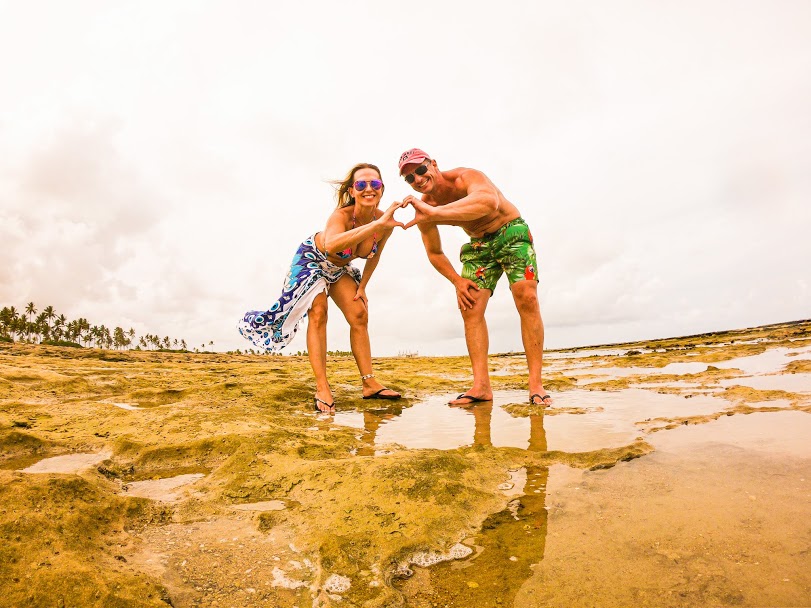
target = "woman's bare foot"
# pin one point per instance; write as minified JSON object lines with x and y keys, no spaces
{"x":323,"y":401}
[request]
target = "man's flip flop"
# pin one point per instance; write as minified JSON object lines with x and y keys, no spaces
{"x":472,"y":399}
{"x":316,"y":401}
{"x":378,"y":395}
{"x":543,"y":399}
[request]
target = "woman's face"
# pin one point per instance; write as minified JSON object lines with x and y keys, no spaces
{"x":367,"y":195}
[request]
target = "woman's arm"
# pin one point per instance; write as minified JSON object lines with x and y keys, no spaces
{"x":369,"y":266}
{"x":337,"y":237}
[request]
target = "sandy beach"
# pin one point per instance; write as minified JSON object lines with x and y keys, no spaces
{"x":672,"y":472}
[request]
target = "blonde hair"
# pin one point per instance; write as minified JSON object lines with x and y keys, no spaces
{"x":342,"y":186}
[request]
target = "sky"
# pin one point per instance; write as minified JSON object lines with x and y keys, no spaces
{"x":160,"y":162}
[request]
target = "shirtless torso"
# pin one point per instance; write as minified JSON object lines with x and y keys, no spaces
{"x":462,"y":182}
{"x":366,"y":249}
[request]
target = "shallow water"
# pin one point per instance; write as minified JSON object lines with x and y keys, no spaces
{"x":689,"y":367}
{"x":69,"y":463}
{"x":265,"y":505}
{"x":784,"y":433}
{"x":163,"y":490}
{"x":609,"y":421}
{"x":124,"y":406}
{"x":595,"y":352}
{"x":715,"y":516}
{"x":794,"y":383}
{"x":768,"y":362}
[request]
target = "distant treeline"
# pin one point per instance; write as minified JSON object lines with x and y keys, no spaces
{"x":46,"y":327}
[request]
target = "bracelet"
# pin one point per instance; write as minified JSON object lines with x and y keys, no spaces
{"x":367,"y":376}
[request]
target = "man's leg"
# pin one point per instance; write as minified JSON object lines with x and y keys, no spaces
{"x":525,"y":294}
{"x":478,"y":343}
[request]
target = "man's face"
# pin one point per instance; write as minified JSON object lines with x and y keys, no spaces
{"x":420,"y":175}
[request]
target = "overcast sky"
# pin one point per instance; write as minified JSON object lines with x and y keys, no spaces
{"x":160,"y":161}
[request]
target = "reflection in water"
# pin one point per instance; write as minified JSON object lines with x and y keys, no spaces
{"x":509,"y":543}
{"x":372,"y":422}
{"x":610,"y":419}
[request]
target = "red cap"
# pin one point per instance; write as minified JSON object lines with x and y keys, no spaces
{"x":412,"y":156}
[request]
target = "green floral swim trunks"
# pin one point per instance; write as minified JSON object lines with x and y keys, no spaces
{"x":508,"y":250}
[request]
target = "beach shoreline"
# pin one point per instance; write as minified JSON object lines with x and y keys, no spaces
{"x":668,"y":472}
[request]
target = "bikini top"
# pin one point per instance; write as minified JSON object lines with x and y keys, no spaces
{"x":347,"y":253}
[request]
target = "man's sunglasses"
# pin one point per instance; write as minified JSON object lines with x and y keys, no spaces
{"x":361,"y":184}
{"x":421,"y":170}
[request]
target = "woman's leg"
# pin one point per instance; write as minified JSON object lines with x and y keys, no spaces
{"x":343,"y":292}
{"x":317,"y":348}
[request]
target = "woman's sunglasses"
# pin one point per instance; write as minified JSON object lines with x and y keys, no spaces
{"x":421,"y":170}
{"x":360,"y":185}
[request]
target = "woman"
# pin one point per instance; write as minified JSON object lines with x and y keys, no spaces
{"x":321,"y":267}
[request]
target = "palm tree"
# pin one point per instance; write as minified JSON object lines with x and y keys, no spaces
{"x":41,"y":328}
{"x":14,"y":322}
{"x":60,"y":322}
{"x":30,"y":310}
{"x":50,"y":315}
{"x":119,"y":339}
{"x":5,"y":320}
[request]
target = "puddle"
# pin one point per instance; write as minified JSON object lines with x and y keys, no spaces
{"x":680,"y":384}
{"x":162,"y":490}
{"x":516,"y":483}
{"x":793,"y":383}
{"x":594,"y":352}
{"x":510,"y":543}
{"x":123,"y":406}
{"x":267,"y":505}
{"x":777,"y":432}
{"x":677,"y":369}
{"x":69,"y":463}
{"x":768,"y":362}
{"x":609,"y":421}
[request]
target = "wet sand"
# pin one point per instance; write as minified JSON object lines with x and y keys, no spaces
{"x":667,"y":473}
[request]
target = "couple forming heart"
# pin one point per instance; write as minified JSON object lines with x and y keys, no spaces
{"x":500,"y":243}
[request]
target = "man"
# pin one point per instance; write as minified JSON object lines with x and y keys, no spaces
{"x":500,"y":243}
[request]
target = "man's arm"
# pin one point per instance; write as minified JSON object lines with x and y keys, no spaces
{"x":481,"y":200}
{"x":438,"y":259}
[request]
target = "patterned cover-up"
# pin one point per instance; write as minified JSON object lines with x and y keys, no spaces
{"x":310,"y":274}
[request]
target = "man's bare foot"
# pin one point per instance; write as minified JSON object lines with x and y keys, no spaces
{"x":543,"y":398}
{"x":372,"y":389}
{"x":383,"y":393}
{"x":467,"y":399}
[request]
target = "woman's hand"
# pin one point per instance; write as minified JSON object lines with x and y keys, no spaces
{"x":387,"y":219}
{"x":360,"y":294}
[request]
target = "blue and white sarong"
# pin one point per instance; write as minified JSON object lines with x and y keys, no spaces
{"x":310,"y":274}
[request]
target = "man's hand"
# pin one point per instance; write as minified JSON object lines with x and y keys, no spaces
{"x":421,"y":211}
{"x":464,"y":297}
